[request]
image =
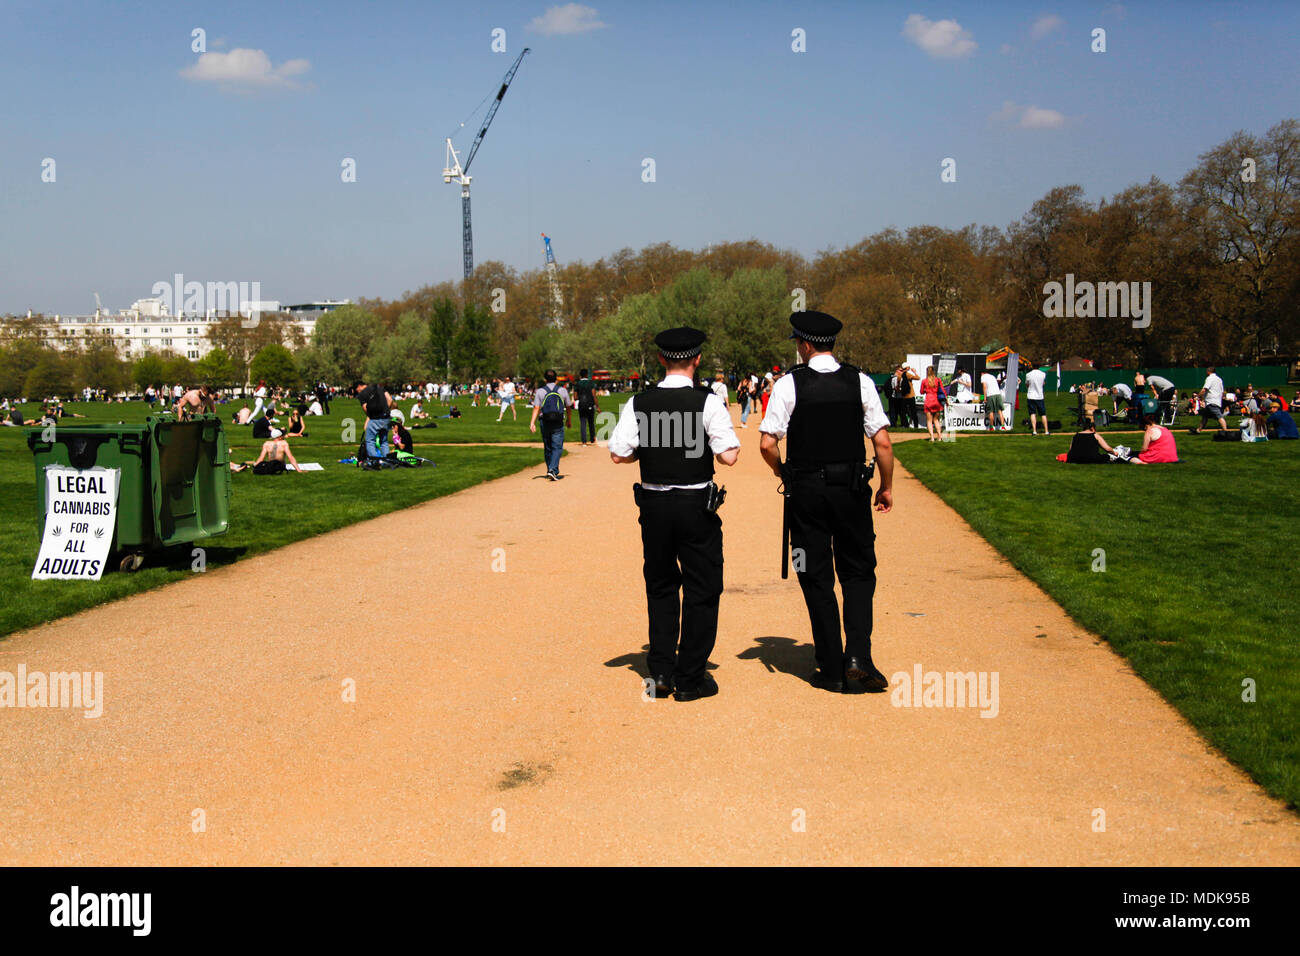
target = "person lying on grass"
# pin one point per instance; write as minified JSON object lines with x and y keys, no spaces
{"x":1157,"y":444}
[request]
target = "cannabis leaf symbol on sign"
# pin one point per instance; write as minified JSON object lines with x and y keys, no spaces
{"x":99,"y":532}
{"x":56,"y":531}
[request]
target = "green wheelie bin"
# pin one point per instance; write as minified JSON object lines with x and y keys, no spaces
{"x":174,"y":484}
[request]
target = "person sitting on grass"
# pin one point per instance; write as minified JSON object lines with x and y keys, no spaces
{"x":296,"y":427}
{"x":401,"y":439}
{"x":1279,"y":422}
{"x":243,"y":416}
{"x":417,"y":410}
{"x":1157,"y":444}
{"x":1089,"y":448}
{"x":274,"y":452}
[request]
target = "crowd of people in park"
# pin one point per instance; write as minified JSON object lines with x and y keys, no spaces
{"x":275,"y":415}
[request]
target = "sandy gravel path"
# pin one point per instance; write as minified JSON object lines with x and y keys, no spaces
{"x":499,"y":716}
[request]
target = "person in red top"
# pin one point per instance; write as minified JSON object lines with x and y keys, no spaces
{"x":934,"y":394}
{"x":1157,"y":444}
{"x":767,"y":388}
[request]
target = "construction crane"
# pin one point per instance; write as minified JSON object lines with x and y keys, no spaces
{"x":453,"y":171}
{"x":553,"y":277}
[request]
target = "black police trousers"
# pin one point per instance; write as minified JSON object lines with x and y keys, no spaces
{"x":682,"y":547}
{"x":831,"y":522}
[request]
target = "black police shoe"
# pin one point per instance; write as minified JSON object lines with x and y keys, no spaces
{"x":663,"y":685}
{"x":707,"y":687}
{"x":821,"y":681}
{"x":861,"y":675}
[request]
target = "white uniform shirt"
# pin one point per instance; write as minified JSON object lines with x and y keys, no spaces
{"x":781,"y":405}
{"x":626,"y":436}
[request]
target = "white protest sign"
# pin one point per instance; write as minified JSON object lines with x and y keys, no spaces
{"x":80,"y":515}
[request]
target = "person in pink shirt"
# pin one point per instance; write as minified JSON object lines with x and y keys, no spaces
{"x":1157,"y":444}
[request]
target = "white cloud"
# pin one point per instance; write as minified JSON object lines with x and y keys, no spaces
{"x":1006,"y":49}
{"x":567,"y":20}
{"x":942,"y":39}
{"x":1029,"y":117}
{"x":1045,"y":25}
{"x":246,"y":69}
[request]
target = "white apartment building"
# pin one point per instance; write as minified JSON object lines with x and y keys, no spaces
{"x":148,"y":327}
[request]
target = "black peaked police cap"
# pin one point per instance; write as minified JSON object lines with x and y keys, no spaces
{"x":815,"y":327}
{"x":680,"y":343}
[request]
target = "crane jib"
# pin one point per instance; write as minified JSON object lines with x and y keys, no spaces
{"x":458,"y":173}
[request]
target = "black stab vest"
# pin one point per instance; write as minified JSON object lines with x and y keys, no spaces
{"x":826,"y":424}
{"x":673,"y":446}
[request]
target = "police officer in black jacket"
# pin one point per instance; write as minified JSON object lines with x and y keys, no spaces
{"x":675,"y":432}
{"x":824,"y":410}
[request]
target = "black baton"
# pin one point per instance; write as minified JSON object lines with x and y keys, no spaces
{"x":785,"y":524}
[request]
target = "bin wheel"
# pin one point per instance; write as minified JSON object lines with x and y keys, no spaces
{"x":131,"y":562}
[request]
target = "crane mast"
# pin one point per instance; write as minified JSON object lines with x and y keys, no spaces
{"x":552,"y":276}
{"x":453,"y":171}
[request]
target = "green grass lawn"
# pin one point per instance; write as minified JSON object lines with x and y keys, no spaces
{"x":266,"y":513}
{"x":476,"y":425}
{"x":1199,"y":588}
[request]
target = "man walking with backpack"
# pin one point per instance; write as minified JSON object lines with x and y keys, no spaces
{"x":587,"y":407}
{"x":552,"y":405}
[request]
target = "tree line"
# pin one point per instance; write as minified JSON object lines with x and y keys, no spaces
{"x":1221,"y":249}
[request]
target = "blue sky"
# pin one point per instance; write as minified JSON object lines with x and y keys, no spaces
{"x":238,"y":179}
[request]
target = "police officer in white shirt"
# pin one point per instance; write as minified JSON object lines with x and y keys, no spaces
{"x":675,"y":433}
{"x":824,"y":409}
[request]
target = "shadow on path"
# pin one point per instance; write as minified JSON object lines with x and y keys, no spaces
{"x":783,"y":655}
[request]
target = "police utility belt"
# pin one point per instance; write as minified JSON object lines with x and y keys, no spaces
{"x":856,"y":475}
{"x":711,"y":497}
